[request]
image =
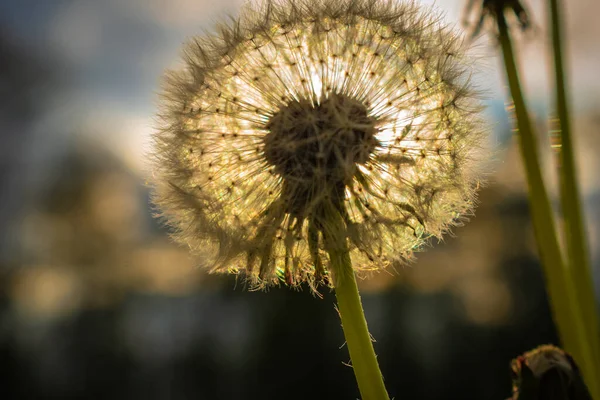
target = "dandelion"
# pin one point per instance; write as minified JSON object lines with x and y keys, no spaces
{"x":310,"y":140}
{"x":299,"y":110}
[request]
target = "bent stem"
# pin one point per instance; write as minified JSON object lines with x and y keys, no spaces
{"x":561,"y":290}
{"x":574,"y":227}
{"x":362,"y":354}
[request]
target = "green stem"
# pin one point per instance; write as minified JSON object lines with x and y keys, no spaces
{"x":561,"y":291}
{"x":574,"y":228}
{"x":354,"y":324}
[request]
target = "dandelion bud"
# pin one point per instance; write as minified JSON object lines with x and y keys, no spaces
{"x":299,"y":110}
{"x":547,"y":372}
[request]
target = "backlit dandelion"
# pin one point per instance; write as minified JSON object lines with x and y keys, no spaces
{"x":300,"y":109}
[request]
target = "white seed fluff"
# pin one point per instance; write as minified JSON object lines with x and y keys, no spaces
{"x":299,"y":109}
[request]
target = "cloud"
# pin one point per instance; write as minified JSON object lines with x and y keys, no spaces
{"x":181,"y":14}
{"x":76,"y":31}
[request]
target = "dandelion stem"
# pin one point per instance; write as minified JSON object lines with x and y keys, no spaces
{"x":362,"y":354}
{"x":574,"y":228}
{"x":561,"y":290}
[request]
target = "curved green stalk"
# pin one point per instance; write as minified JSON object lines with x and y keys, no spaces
{"x":574,"y":227}
{"x":561,"y":291}
{"x":354,"y":324}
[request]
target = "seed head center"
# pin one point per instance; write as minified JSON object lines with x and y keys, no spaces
{"x":309,"y":143}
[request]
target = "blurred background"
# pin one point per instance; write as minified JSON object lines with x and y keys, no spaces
{"x":97,"y":303}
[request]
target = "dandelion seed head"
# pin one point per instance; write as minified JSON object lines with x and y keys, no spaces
{"x":299,"y":109}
